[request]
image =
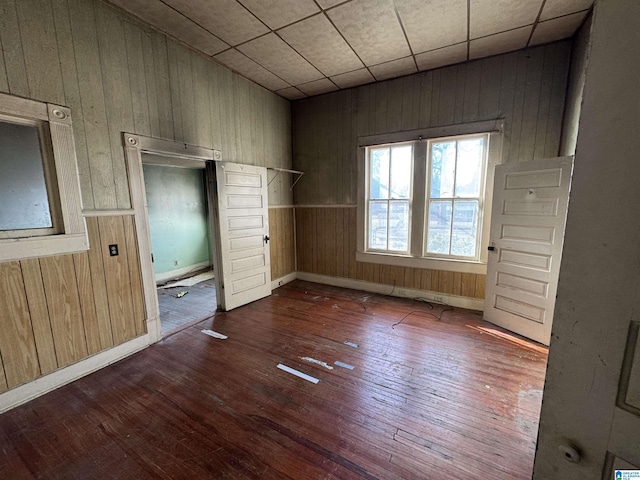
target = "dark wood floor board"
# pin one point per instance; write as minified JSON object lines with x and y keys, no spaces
{"x":431,"y":397}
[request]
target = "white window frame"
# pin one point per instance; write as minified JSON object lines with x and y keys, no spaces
{"x":69,"y":232}
{"x":417,"y":247}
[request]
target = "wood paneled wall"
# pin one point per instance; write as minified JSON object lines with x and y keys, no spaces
{"x":119,"y":76}
{"x":282,"y":240}
{"x":326,"y":245}
{"x":526,"y":88}
{"x":56,"y":311}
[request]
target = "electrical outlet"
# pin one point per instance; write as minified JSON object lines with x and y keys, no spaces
{"x":113,"y":250}
{"x":280,"y":282}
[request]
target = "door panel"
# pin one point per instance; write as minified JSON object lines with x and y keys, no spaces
{"x":527,"y":228}
{"x":244,"y":227}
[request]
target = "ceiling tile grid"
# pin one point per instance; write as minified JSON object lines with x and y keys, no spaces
{"x":300,"y":48}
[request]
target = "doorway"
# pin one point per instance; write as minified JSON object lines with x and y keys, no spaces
{"x":180,"y":232}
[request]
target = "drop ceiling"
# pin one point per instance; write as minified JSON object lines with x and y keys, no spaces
{"x":300,"y":48}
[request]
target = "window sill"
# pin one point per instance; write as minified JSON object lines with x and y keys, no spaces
{"x":420,"y":262}
{"x":12,"y":249}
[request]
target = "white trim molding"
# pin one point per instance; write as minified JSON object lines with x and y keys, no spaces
{"x":390,"y":290}
{"x":24,"y":393}
{"x":279,"y":282}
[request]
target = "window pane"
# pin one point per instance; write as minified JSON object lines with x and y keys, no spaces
{"x":439,"y":231}
{"x":399,"y":226}
{"x":379,"y":173}
{"x":24,"y":203}
{"x":443,"y":167}
{"x":465,"y":228}
{"x":469,"y":167}
{"x":378,"y":225}
{"x":401,"y":171}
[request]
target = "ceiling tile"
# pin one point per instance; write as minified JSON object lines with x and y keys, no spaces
{"x":557,"y":8}
{"x":432,"y":24}
{"x":250,"y":69}
{"x":321,"y":44}
{"x":352,"y":79}
{"x":168,"y":20}
{"x":292,"y":93}
{"x":318,"y":87}
{"x":329,"y":3}
{"x":372,"y":29}
{"x":394,"y":68}
{"x":499,"y":43}
{"x":442,"y":56}
{"x":271,"y":52}
{"x":227,"y":19}
{"x":278,"y":13}
{"x":557,"y":28}
{"x":493,"y":16}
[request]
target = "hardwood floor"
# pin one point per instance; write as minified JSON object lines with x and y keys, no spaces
{"x":198,"y":303}
{"x":434,"y":393}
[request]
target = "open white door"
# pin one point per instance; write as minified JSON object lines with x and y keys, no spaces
{"x":527,"y":231}
{"x":243,"y":214}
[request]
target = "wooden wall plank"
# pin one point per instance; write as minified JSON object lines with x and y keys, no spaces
{"x":3,"y":379}
{"x":481,"y":281}
{"x":173,"y":52}
{"x":165,"y":96}
{"x":137,"y":78}
{"x":135,"y":276}
{"x":17,"y":342}
{"x":117,"y":89}
{"x":4,"y":87}
{"x":149,"y":64}
{"x":187,"y":100}
{"x":40,"y":50}
{"x":87,"y":304}
{"x":71,"y":87}
{"x":98,"y":280}
{"x":16,"y":69}
{"x":40,"y":321}
{"x":61,"y":290}
{"x":532,"y":102}
{"x":562,"y":56}
{"x":117,"y":278}
{"x":202,"y":103}
{"x":447,"y":100}
{"x":87,"y":54}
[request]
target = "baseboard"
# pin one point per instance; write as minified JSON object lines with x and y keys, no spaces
{"x":22,"y":394}
{"x":436,"y":297}
{"x":278,"y":282}
{"x":180,"y":272}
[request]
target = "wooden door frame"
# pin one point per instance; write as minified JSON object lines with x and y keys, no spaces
{"x":181,"y":155}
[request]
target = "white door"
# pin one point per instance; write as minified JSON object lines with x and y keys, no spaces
{"x":243,"y":213}
{"x":527,"y":231}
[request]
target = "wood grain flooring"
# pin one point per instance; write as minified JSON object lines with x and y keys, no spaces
{"x":435,"y":393}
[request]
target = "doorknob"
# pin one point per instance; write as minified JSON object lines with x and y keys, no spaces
{"x":266,"y":239}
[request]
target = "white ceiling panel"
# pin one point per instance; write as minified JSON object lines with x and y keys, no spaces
{"x":499,"y":43}
{"x":318,"y":87}
{"x":250,"y":69}
{"x":227,"y":19}
{"x":300,"y":48}
{"x":372,"y":29}
{"x":278,"y":13}
{"x":321,"y":44}
{"x":168,"y":20}
{"x":352,"y":79}
{"x":494,"y":16}
{"x":292,"y":93}
{"x":557,"y":28}
{"x":432,"y":24}
{"x":442,"y":56}
{"x":329,"y":3}
{"x":557,"y":8}
{"x":394,"y":68}
{"x":275,"y":55}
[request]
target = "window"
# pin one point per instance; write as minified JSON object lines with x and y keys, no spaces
{"x":426,"y":202}
{"x":40,"y":208}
